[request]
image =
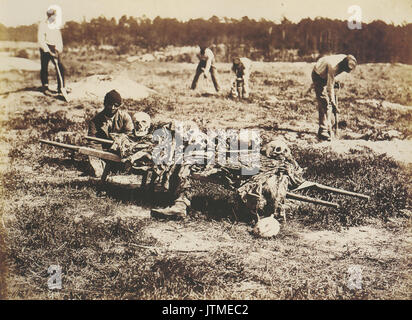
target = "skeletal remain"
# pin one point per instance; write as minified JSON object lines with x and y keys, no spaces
{"x":142,"y":123}
{"x":277,"y":149}
{"x":266,"y":227}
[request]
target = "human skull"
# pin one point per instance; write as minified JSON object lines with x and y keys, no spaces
{"x":277,"y":149}
{"x":267,"y":227}
{"x":190,"y":131}
{"x":142,"y":122}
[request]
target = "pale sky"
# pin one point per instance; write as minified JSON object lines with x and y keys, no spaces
{"x":26,"y":12}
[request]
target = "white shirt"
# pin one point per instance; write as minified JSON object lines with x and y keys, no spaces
{"x":247,"y":63}
{"x":48,"y":36}
{"x":209,"y":57}
{"x":328,"y":61}
{"x":327,"y":68}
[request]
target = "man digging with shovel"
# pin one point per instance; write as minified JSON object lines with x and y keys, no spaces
{"x":51,"y":45}
{"x":206,"y":65}
{"x":323,"y":77}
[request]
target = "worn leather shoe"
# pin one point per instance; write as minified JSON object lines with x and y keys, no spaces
{"x":178,"y":210}
{"x":323,"y":135}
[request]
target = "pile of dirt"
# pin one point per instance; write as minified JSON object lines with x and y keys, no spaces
{"x":13,"y":63}
{"x":96,"y":87}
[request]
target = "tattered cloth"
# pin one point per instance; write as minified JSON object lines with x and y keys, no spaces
{"x":126,"y":146}
{"x":262,"y":193}
{"x":265,"y":192}
{"x":169,"y":176}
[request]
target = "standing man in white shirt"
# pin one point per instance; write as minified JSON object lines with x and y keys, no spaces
{"x":241,"y":68}
{"x":323,"y":77}
{"x":51,"y":45}
{"x":206,"y":65}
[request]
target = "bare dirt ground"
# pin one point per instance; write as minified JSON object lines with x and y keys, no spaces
{"x":110,"y":247}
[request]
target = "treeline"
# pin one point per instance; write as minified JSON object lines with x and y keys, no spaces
{"x":260,"y":40}
{"x":20,"y":33}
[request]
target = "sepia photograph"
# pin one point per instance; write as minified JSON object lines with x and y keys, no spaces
{"x":193,"y":151}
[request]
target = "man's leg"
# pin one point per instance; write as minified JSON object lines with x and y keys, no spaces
{"x":213,"y":74}
{"x":324,"y":109}
{"x":246,"y":86}
{"x":178,"y":209}
{"x":44,"y":72}
{"x":325,"y":116}
{"x":61,"y":69}
{"x":233,"y":90}
{"x":97,"y":166}
{"x":182,"y":191}
{"x":197,"y":75}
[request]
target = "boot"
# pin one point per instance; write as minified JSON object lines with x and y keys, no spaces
{"x":323,"y":135}
{"x":177,"y":210}
{"x":46,"y":91}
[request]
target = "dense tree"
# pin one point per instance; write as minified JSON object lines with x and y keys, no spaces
{"x":260,"y":40}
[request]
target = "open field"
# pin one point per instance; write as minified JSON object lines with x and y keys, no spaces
{"x":109,"y":246}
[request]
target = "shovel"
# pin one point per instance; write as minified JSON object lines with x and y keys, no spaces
{"x":335,"y":111}
{"x":62,"y":89}
{"x":336,"y":126}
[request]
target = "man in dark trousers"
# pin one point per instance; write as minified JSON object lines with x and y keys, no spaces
{"x":323,"y":77}
{"x":241,"y":68}
{"x":206,"y":65}
{"x":51,"y":46}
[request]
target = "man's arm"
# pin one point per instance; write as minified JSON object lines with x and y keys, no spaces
{"x":57,"y":48}
{"x":248,"y":66}
{"x":234,"y":69}
{"x":92,"y":131}
{"x":330,"y":85}
{"x":59,"y":44}
{"x":41,"y":37}
{"x":128,"y":125}
{"x":210,"y":57}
